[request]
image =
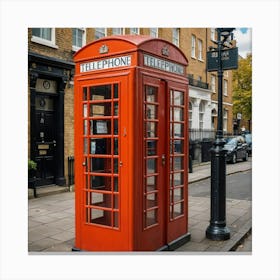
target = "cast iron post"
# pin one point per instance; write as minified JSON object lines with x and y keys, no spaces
{"x":217,"y":230}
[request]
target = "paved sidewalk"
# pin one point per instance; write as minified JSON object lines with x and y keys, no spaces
{"x":51,"y":219}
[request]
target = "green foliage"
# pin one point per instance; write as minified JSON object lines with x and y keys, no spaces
{"x":32,"y":165}
{"x":242,"y":88}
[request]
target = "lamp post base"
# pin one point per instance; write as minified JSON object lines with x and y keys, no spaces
{"x":217,"y":233}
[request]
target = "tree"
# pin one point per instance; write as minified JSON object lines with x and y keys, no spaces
{"x":242,"y":88}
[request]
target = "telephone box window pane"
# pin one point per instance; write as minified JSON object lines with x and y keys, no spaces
{"x":116,"y":166}
{"x":85,"y":94}
{"x":151,"y":217}
{"x":101,"y":217}
{"x":116,"y":146}
{"x":100,"y":165}
{"x":116,"y":127}
{"x":151,"y":183}
{"x":116,"y":91}
{"x":116,"y":108}
{"x":178,"y":209}
{"x":178,"y":163}
{"x":100,"y":183}
{"x":178,"y":130}
{"x":178,"y":179}
{"x":178,"y":98}
{"x":179,"y":146}
{"x":151,"y":129}
{"x":85,"y":110}
{"x":101,"y":200}
{"x":85,"y":127}
{"x":116,"y":184}
{"x":100,"y":127}
{"x":100,"y":146}
{"x":100,"y":92}
{"x":178,"y":194}
{"x":178,"y":114}
{"x":100,"y":109}
{"x":151,"y":165}
{"x":116,"y":220}
{"x":151,"y":200}
{"x":116,"y":201}
{"x":151,"y":147}
{"x":85,"y":145}
{"x":151,"y":94}
{"x":151,"y":112}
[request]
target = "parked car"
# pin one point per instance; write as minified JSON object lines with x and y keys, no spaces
{"x":248,"y":139}
{"x":236,"y":148}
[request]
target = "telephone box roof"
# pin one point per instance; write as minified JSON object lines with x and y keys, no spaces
{"x":127,"y":43}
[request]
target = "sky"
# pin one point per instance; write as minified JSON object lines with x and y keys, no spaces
{"x":243,"y":37}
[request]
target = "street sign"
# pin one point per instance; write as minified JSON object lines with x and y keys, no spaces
{"x":229,"y":59}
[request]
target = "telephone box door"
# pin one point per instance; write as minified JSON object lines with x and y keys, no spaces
{"x":99,"y":154}
{"x":165,"y":162}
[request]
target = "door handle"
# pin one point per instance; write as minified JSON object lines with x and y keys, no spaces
{"x":163,"y":159}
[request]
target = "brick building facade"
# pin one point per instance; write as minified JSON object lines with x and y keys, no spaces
{"x":51,"y":93}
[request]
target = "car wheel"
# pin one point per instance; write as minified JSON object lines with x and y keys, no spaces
{"x":233,"y":158}
{"x":246,"y":157}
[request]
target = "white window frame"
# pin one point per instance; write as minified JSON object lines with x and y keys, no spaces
{"x":213,"y":34}
{"x":120,"y":31}
{"x":193,"y":46}
{"x":154,"y":32}
{"x":213,"y":83}
{"x":200,"y":49}
{"x":190,"y":114}
{"x":45,"y":42}
{"x":225,"y":120}
{"x":134,"y":31}
{"x":176,"y":36}
{"x":76,"y":48}
{"x":201,"y":114}
{"x":100,"y":30}
{"x":225,"y":91}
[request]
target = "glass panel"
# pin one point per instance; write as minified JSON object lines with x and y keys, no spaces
{"x":116,"y":108}
{"x":116,"y":184}
{"x":116,"y":146}
{"x":100,"y":183}
{"x":101,"y":200}
{"x":116,"y":127}
{"x":116,"y":90}
{"x":179,"y":146}
{"x":116,"y":220}
{"x":84,"y":94}
{"x":100,"y":146}
{"x":178,"y":130}
{"x":100,"y":165}
{"x":85,"y":145}
{"x":151,"y":217}
{"x":151,"y":165}
{"x":151,"y":183}
{"x":100,"y":109}
{"x":100,"y":92}
{"x":151,"y":111}
{"x":151,"y":129}
{"x":85,"y":110}
{"x":178,"y":179}
{"x":151,"y":147}
{"x":116,"y":166}
{"x":178,"y":163}
{"x":116,"y":201}
{"x":101,"y":217}
{"x":151,"y":200}
{"x":178,"y":97}
{"x":178,"y":114}
{"x":85,"y":127}
{"x":100,"y":127}
{"x":151,"y":94}
{"x":178,"y":209}
{"x":178,"y":194}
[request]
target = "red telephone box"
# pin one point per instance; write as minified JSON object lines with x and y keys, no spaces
{"x":131,"y":145}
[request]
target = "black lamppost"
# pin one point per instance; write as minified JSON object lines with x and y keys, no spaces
{"x":217,"y":230}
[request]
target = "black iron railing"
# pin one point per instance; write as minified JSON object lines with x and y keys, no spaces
{"x":198,"y":83}
{"x":71,"y":175}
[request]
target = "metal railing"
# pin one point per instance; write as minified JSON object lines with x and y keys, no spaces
{"x":198,"y":83}
{"x":71,"y":175}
